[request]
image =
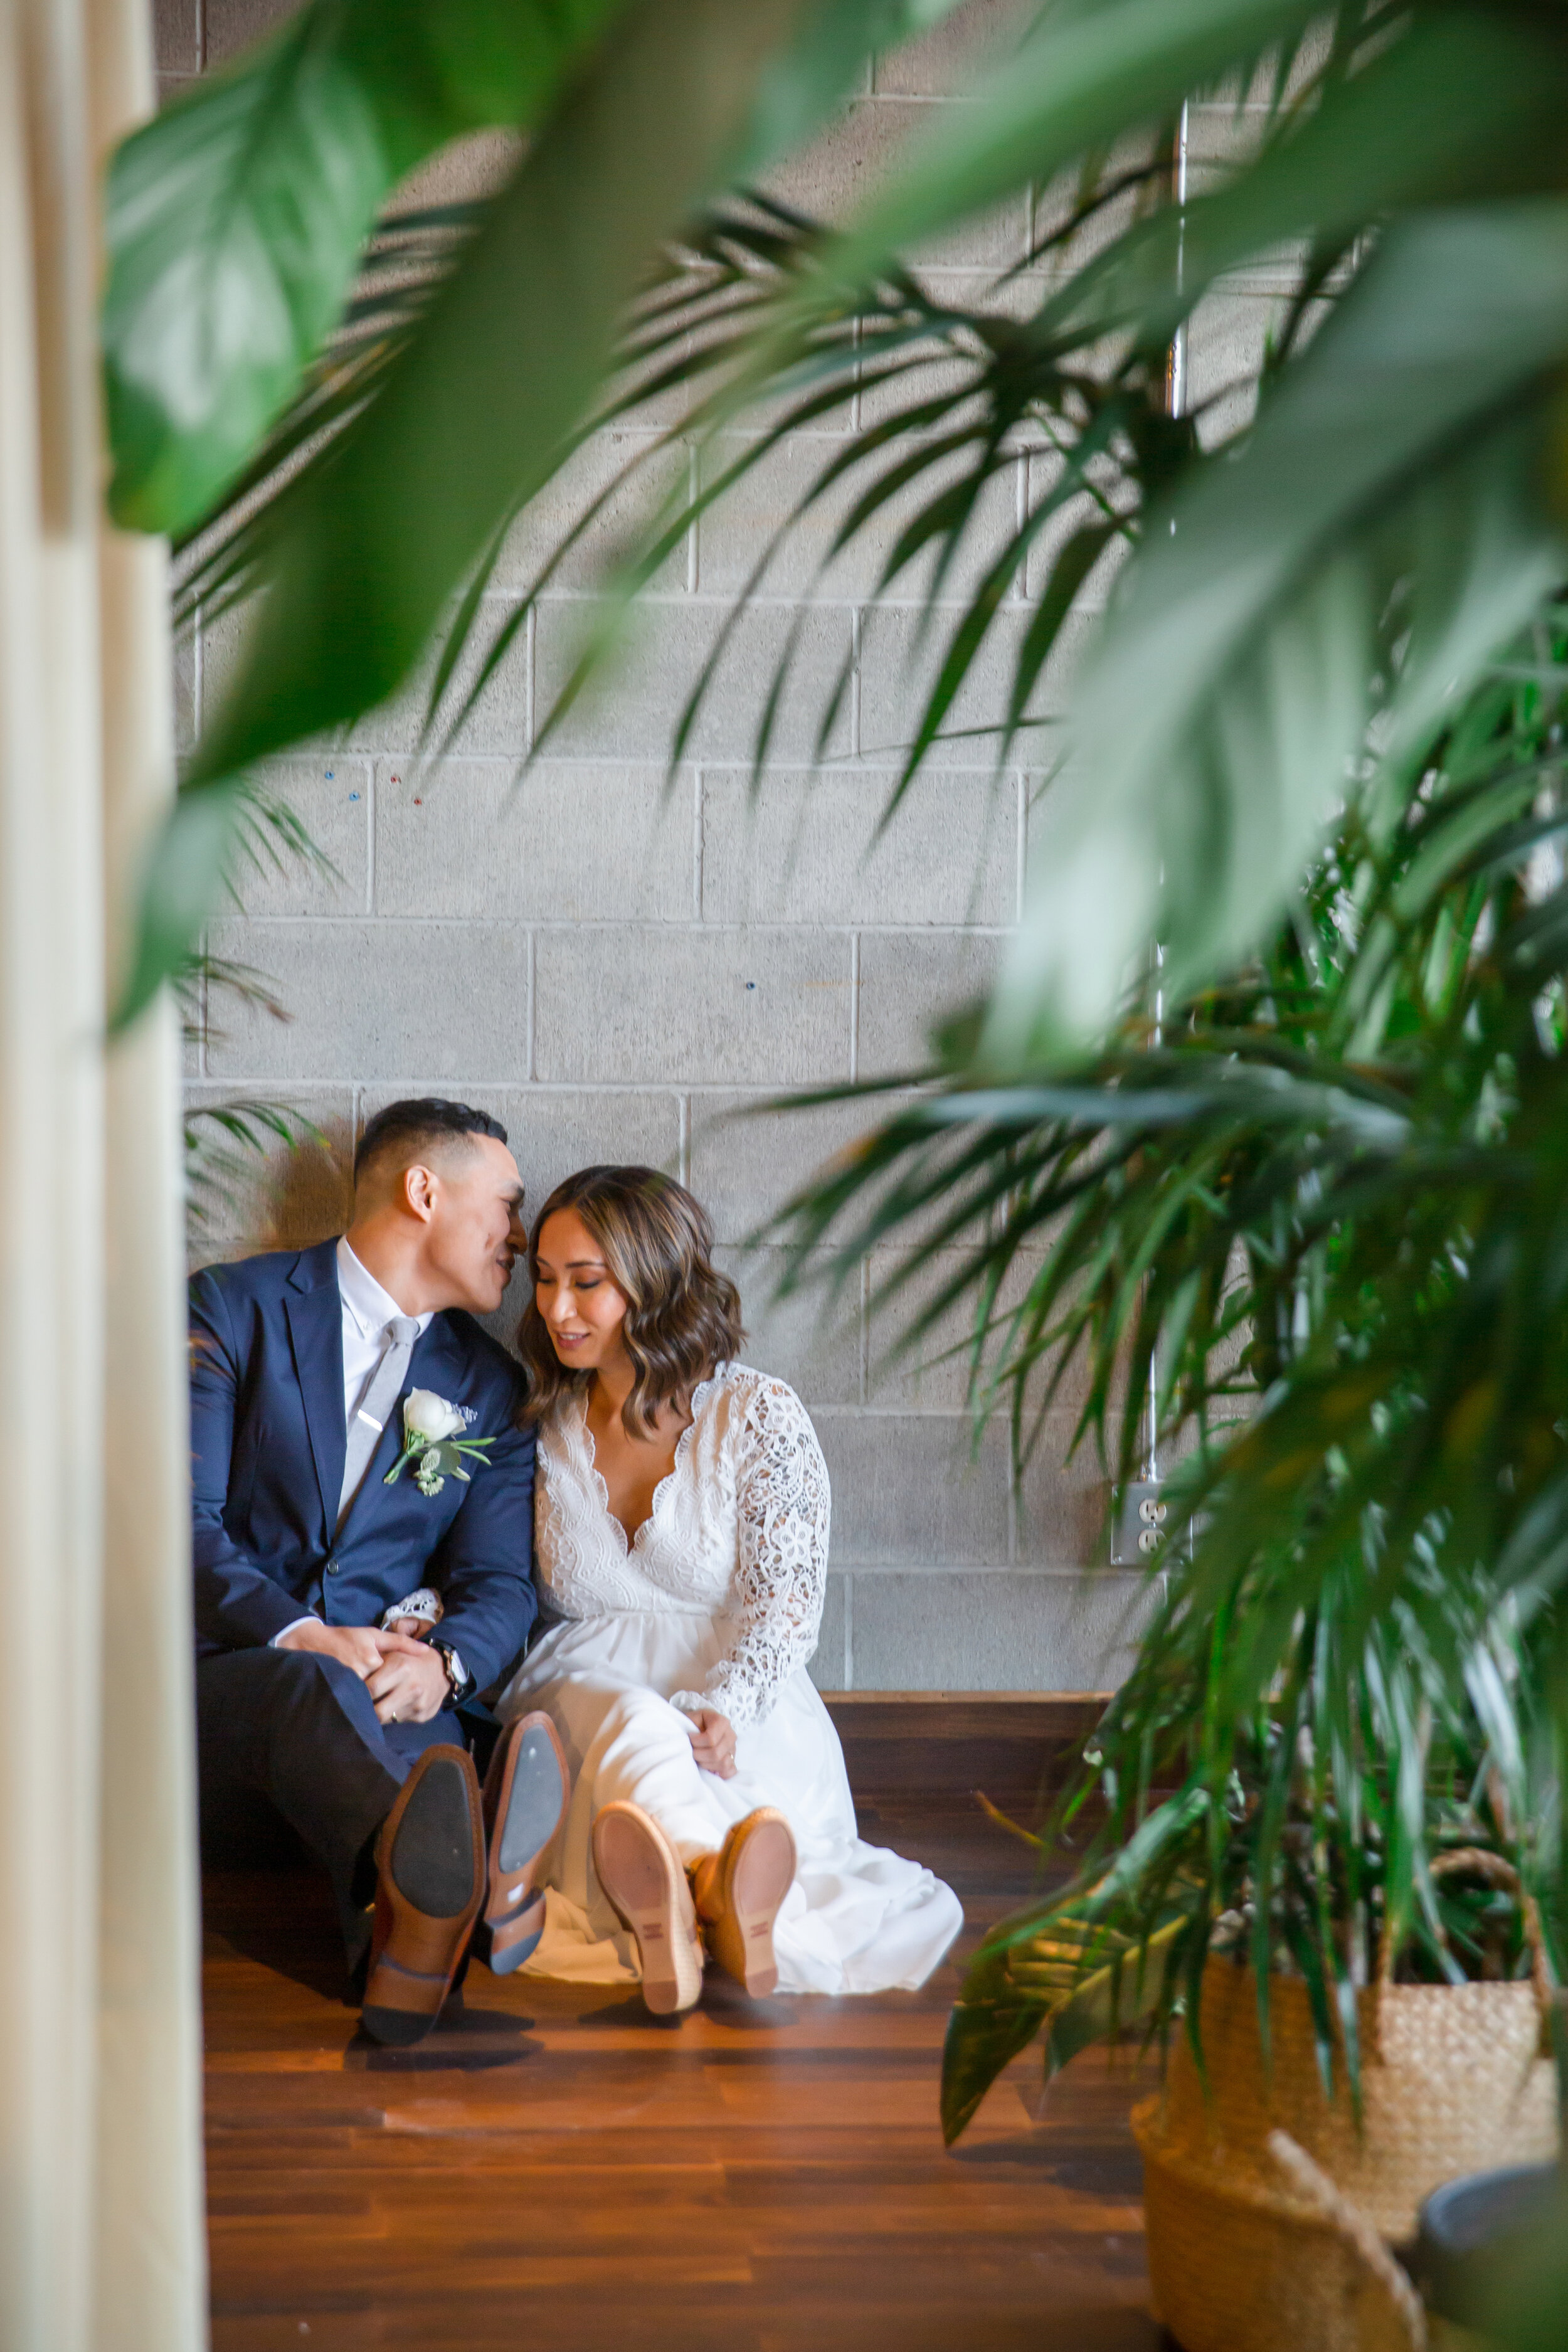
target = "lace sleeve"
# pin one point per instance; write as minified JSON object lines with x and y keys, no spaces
{"x":783,"y":1503}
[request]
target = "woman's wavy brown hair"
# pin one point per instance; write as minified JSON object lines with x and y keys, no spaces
{"x":683,"y":1317}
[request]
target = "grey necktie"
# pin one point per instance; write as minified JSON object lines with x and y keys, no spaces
{"x":365,"y":1428}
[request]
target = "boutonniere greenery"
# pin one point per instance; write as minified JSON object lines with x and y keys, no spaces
{"x":434,"y":1441}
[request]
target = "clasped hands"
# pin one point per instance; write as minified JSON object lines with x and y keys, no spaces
{"x":406,"y":1679}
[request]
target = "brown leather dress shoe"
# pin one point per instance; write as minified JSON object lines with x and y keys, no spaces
{"x":527,"y":1790}
{"x":431,"y":1859}
{"x":738,"y":1892}
{"x":641,"y":1873}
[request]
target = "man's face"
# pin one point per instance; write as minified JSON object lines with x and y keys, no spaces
{"x":475,"y":1227}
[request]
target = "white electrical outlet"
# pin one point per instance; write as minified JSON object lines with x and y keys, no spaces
{"x":1138,"y":1532}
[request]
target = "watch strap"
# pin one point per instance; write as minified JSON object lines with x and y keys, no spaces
{"x":457,"y":1673}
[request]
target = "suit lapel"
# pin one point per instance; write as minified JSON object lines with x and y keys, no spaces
{"x":316,"y":1334}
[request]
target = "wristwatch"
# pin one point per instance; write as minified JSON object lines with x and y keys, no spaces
{"x":458,"y":1674}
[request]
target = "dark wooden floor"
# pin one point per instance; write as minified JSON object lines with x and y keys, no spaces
{"x":554,"y":2169}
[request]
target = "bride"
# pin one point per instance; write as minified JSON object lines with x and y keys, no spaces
{"x":681,"y":1516}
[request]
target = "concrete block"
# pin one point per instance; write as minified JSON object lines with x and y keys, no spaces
{"x":806,"y":848}
{"x":177,"y":35}
{"x":563,"y":843}
{"x":1221,"y":141}
{"x":281,"y":1197}
{"x":733,"y":533}
{"x":1062,"y":1502}
{"x":923,"y":1375}
{"x":638,"y":470}
{"x":909,"y":1490}
{"x":1310,"y":56}
{"x":899,"y":666}
{"x":1057,"y":204}
{"x":910,"y":980}
{"x":1037,"y":1631}
{"x":185,"y":672}
{"x":943,"y":370}
{"x":463,"y":172}
{"x":692,"y":1007}
{"x":973,"y":38}
{"x":748,"y":1159}
{"x":233,"y":25}
{"x":804,"y":1339}
{"x":190,"y":997}
{"x":219,"y":658}
{"x":331,"y":798}
{"x":835,"y":178}
{"x":437,"y":1004}
{"x":830,"y":1667}
{"x":554,"y":1134}
{"x":1071,"y":517}
{"x":634,"y":711}
{"x":1229,"y":333}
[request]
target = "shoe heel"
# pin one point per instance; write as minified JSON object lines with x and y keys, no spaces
{"x":506,"y":1946}
{"x":660,"y":1979}
{"x":764,"y":1875}
{"x":641,"y":1874}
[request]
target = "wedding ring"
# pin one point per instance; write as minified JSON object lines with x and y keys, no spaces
{"x":392,"y":1715}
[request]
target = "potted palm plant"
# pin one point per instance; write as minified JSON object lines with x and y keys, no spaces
{"x":1319,"y":1217}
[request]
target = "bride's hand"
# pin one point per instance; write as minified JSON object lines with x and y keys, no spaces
{"x":714,"y":1742}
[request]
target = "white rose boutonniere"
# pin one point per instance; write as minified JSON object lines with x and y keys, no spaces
{"x":434,"y":1441}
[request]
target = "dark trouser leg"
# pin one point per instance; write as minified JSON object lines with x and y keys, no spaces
{"x":300,"y":1730}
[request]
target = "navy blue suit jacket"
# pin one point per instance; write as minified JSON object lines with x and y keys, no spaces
{"x":268,"y":1436}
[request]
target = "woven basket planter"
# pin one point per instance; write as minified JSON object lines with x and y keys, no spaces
{"x":1453,"y":2081}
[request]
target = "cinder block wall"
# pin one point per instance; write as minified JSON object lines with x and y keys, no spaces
{"x":619,"y":971}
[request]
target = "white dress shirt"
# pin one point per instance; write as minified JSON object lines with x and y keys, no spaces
{"x":367,"y":1309}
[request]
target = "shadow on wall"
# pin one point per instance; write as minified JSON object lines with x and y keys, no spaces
{"x":287,"y":1200}
{"x":312,"y":1197}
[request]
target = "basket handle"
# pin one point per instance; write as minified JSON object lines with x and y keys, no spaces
{"x":1332,"y":2206}
{"x":1498,"y":1872}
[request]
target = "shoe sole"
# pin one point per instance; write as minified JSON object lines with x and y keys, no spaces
{"x":431,"y":1886}
{"x":530,"y":1801}
{"x":642,"y":1875}
{"x":760,"y":1876}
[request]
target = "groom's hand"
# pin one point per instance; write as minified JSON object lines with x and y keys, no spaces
{"x":358,"y":1647}
{"x":411,"y":1682}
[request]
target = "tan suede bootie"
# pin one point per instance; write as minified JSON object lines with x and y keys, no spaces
{"x":738,"y":1892}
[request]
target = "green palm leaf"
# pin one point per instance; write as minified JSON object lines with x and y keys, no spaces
{"x":1233,"y":689}
{"x":235,"y":219}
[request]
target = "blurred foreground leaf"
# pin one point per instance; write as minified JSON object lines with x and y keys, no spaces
{"x":236,"y":218}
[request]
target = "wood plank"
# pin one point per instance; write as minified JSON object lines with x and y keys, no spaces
{"x":555,"y":2170}
{"x":941,"y":1745}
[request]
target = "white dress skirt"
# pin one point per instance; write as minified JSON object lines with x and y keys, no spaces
{"x":715,"y":1603}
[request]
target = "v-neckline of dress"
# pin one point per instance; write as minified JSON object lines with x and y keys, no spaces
{"x":630,"y":1544}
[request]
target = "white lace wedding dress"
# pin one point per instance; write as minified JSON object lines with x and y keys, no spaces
{"x":716,"y":1603}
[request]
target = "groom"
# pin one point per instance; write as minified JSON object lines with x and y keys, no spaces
{"x":308,"y":1694}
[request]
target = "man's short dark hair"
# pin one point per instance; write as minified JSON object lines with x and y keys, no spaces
{"x":415,"y":1126}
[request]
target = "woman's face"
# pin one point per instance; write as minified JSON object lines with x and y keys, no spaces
{"x":582,"y":1307}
